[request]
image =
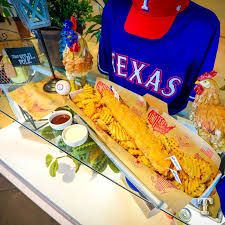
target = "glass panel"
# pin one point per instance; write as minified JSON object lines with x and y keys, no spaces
{"x":90,"y":155}
{"x":31,"y":109}
{"x":30,"y":152}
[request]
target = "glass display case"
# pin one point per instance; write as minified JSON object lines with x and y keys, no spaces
{"x":32,"y":106}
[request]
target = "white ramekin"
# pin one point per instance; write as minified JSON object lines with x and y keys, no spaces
{"x":63,"y":125}
{"x":78,"y":142}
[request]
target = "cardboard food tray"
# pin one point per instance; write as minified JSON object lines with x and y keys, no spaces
{"x":138,"y":184}
{"x":189,"y":143}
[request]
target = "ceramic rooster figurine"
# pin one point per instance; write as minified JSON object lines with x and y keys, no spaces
{"x":76,"y":57}
{"x":208,"y":112}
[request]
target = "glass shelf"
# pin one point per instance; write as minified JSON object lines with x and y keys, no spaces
{"x":93,"y":153}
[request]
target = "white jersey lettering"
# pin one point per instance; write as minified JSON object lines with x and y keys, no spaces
{"x":137,"y":70}
{"x":145,"y":5}
{"x":171,"y":86}
{"x":121,"y":64}
{"x":141,"y":77}
{"x":113,"y":61}
{"x":157,"y":77}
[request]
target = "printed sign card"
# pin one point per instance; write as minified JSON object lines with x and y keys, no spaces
{"x":23,"y":56}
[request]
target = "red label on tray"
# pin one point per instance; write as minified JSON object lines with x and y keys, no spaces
{"x":101,"y":87}
{"x":139,"y":113}
{"x":197,"y":156}
{"x":140,"y":103}
{"x":184,"y":141}
{"x":162,"y":185}
{"x":158,"y":123}
{"x":207,"y":151}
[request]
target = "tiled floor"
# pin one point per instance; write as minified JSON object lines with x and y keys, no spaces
{"x":17,"y":209}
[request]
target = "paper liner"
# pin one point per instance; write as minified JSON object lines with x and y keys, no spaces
{"x":190,"y":143}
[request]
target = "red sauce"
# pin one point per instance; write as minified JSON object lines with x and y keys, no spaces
{"x":60,"y":119}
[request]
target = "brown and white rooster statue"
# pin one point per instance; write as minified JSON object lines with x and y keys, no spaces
{"x":208,"y":112}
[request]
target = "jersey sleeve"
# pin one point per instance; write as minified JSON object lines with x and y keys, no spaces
{"x":209,"y":59}
{"x":105,"y":52}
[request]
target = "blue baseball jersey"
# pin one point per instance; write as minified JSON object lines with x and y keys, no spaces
{"x":166,"y":68}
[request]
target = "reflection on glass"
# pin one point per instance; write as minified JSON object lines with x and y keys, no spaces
{"x":28,"y":105}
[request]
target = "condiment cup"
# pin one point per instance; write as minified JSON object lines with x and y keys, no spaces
{"x":63,"y":125}
{"x":80,"y":135}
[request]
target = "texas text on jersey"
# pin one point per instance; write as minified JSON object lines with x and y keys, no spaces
{"x":153,"y":81}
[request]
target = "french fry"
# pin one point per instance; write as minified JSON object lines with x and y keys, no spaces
{"x":89,"y":110}
{"x":88,"y":89}
{"x":128,"y":144}
{"x":117,"y":132}
{"x":196,"y":174}
{"x":106,"y":116}
{"x":102,"y":125}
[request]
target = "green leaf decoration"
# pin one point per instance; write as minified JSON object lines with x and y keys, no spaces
{"x":47,"y":133}
{"x":60,"y":10}
{"x":100,"y":163}
{"x":96,"y":19}
{"x":95,"y":33}
{"x":90,"y":29}
{"x":56,"y":133}
{"x":82,"y":149}
{"x":79,"y":151}
{"x":6,"y":12}
{"x":53,"y":168}
{"x":75,"y":161}
{"x":113,"y":166}
{"x":77,"y":168}
{"x":5,"y":3}
{"x":95,"y":152}
{"x":77,"y":164}
{"x":84,"y":157}
{"x":48,"y":160}
{"x":61,"y":144}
